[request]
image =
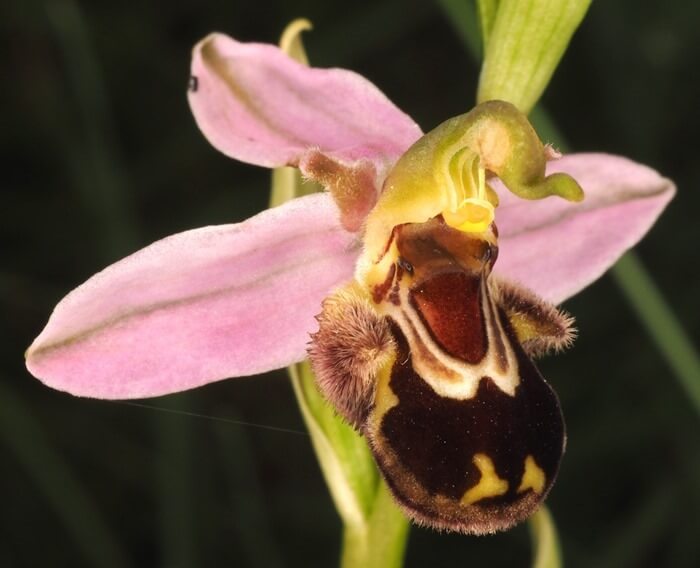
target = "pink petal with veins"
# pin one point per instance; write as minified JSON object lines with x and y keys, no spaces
{"x":257,"y":105}
{"x":198,"y":306}
{"x":557,"y":248}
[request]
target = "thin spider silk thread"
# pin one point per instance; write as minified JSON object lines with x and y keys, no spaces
{"x":212,"y":418}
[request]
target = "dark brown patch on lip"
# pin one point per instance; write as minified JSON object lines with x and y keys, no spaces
{"x":450,"y":306}
{"x":429,"y":360}
{"x":435,"y":438}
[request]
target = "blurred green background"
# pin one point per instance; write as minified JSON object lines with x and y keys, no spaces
{"x":101,"y":157}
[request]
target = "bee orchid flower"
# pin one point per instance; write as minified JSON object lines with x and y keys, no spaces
{"x":241,"y":299}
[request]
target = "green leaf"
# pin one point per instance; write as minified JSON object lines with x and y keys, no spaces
{"x":526,"y":41}
{"x":662,"y":325}
{"x":544,"y":540}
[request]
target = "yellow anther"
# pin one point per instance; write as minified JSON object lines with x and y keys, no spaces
{"x":474,"y":212}
{"x":474,"y":215}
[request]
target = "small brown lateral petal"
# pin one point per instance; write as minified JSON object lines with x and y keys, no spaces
{"x":539,"y":326}
{"x":352,"y":186}
{"x":346,"y":353}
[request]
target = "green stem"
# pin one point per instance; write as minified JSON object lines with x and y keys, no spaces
{"x":660,"y":323}
{"x":381,"y":541}
{"x":545,"y":542}
{"x":375,"y":531}
{"x":343,"y":455}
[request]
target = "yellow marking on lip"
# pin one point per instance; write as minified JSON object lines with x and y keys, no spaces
{"x":384,"y":398}
{"x":490,"y":485}
{"x":533,"y":477}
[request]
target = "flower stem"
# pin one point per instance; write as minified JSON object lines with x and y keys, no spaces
{"x":375,"y":531}
{"x":381,"y":542}
{"x":547,"y":552}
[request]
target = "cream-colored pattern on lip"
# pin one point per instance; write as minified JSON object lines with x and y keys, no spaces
{"x":470,"y":374}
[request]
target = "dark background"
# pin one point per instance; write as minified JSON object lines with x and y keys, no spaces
{"x":100,"y":156}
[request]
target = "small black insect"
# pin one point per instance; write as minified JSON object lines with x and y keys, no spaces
{"x":193,"y":84}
